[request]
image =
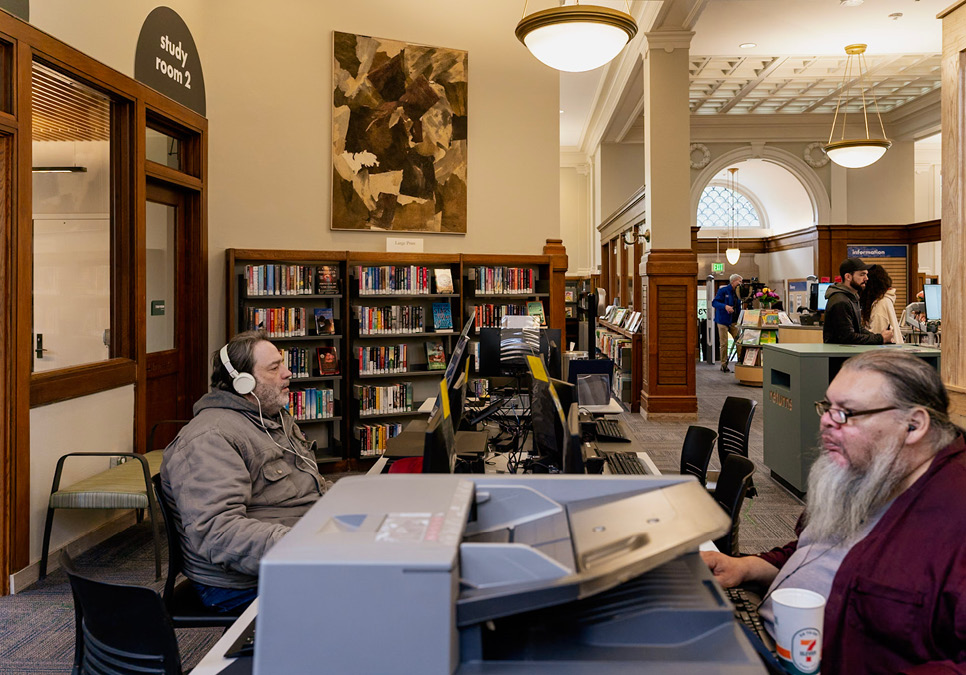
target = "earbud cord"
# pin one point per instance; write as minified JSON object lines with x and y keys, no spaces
{"x":261,"y":419}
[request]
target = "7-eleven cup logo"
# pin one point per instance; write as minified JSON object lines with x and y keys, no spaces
{"x":807,"y":650}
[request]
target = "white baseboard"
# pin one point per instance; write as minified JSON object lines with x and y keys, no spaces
{"x":28,"y":575}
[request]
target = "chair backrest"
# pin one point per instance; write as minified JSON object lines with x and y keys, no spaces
{"x":175,"y":556}
{"x":121,"y":629}
{"x":696,"y":452}
{"x":734,"y":426}
{"x":733,"y":482}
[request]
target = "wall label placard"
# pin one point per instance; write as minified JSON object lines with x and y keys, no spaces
{"x":167,"y":59}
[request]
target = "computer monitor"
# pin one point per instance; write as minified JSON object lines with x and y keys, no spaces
{"x":816,"y":300}
{"x":503,"y":351}
{"x":439,"y":449}
{"x":933,"y":295}
{"x":595,"y":388}
{"x":573,"y":459}
{"x":460,"y":353}
{"x":552,"y":444}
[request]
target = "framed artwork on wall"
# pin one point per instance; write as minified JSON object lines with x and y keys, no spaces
{"x":398,"y":136}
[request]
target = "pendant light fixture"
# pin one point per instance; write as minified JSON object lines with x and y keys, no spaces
{"x":575,"y":38}
{"x":856,"y":153}
{"x":733,"y":253}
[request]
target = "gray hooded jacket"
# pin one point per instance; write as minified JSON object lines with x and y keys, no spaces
{"x":234,"y":489}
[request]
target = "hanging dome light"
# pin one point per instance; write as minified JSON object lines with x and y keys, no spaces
{"x":855,"y":153}
{"x":733,"y":254}
{"x":575,"y":38}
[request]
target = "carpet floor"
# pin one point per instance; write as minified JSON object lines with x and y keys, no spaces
{"x":37,"y":624}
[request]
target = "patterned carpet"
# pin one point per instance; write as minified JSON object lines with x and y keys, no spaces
{"x":37,"y":625}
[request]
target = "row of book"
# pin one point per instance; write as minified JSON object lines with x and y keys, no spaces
{"x":624,"y":318}
{"x":757,"y":336}
{"x":505,"y":279}
{"x":374,"y":400}
{"x":392,"y":319}
{"x":764,"y":317}
{"x":383,"y":359}
{"x":489,"y":316}
{"x":409,"y":280}
{"x":612,"y":346}
{"x":278,"y":279}
{"x":298,"y":360}
{"x":373,"y":437}
{"x":279,"y":321}
{"x":311,"y":404}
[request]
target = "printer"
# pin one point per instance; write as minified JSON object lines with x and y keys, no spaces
{"x":461,"y":573}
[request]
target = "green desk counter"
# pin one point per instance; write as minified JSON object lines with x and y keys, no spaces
{"x":794,"y":377}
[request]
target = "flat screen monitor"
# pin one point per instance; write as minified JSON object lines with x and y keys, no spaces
{"x":439,"y":448}
{"x":503,"y":351}
{"x":820,"y":295}
{"x":933,"y":295}
{"x":551,"y":442}
{"x":595,"y":389}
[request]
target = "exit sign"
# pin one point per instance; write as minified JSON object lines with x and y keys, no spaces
{"x":717,"y":267}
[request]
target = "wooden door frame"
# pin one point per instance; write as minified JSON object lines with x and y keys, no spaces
{"x":20,"y":44}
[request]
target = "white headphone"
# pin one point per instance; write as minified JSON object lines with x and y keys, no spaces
{"x":242,"y":383}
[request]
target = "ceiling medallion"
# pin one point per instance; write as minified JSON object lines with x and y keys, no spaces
{"x":699,"y":155}
{"x":814,"y":159}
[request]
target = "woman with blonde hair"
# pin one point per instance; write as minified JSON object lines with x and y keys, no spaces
{"x":878,"y":301}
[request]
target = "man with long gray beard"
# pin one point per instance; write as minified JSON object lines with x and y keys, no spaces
{"x":885,"y":534}
{"x":240,"y":474}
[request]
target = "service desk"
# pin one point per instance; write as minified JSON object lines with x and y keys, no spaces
{"x":795,"y":376}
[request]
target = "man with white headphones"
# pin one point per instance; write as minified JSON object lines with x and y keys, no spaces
{"x":240,"y":474}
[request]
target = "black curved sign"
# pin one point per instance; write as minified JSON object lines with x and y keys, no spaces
{"x":167,"y":59}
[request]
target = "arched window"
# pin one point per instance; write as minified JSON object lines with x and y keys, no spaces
{"x":714,"y":209}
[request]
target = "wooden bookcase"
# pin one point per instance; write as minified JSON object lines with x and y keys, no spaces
{"x":626,"y":350}
{"x":340,"y":436}
{"x":412,"y":381}
{"x":318,"y":398}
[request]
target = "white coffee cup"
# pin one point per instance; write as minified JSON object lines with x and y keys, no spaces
{"x":799,"y":619}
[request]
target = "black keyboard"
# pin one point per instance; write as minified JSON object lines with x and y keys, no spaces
{"x":624,"y":464}
{"x":609,"y":431}
{"x":746,"y":611}
{"x":244,"y":645}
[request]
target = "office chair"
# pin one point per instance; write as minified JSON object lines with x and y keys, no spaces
{"x":696,"y":452}
{"x":121,"y":629}
{"x":734,"y":428}
{"x":733,"y":484}
{"x":180,"y":599}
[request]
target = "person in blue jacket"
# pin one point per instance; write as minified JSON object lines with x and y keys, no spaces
{"x":726,"y":309}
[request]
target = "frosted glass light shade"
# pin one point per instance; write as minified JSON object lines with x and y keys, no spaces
{"x":732,"y":254}
{"x":857,"y":154}
{"x":575,"y":38}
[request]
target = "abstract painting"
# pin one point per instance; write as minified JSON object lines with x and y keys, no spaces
{"x":398,"y":136}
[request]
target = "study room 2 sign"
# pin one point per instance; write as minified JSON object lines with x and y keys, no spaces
{"x":167,"y":59}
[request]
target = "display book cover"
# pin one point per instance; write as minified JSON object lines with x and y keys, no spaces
{"x":435,"y":355}
{"x":535,"y":308}
{"x":751,"y":357}
{"x":328,"y":360}
{"x":327,"y":280}
{"x":442,"y":317}
{"x":324,"y":321}
{"x":444,"y":280}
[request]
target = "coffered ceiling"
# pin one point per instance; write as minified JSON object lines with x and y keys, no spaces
{"x":764,"y":57}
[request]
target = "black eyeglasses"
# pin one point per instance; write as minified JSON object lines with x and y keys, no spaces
{"x":840,"y":416}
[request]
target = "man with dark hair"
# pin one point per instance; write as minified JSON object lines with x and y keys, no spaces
{"x":240,"y":474}
{"x":843,"y":318}
{"x":885,"y":533}
{"x":726,"y":308}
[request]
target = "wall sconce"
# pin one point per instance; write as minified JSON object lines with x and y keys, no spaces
{"x":636,"y":234}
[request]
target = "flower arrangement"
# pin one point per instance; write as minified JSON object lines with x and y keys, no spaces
{"x":766,"y":297}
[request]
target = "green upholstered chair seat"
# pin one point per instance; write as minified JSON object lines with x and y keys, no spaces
{"x":121,"y":487}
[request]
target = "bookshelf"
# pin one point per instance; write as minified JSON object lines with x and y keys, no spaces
{"x":758,"y":327}
{"x":397,"y":303}
{"x":573,"y":313}
{"x":298,"y":298}
{"x":497,"y":285}
{"x":625,"y":348}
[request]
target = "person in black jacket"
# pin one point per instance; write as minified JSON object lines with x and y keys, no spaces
{"x":843,"y":323}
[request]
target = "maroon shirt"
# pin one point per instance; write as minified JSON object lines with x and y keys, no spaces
{"x":898,"y":601}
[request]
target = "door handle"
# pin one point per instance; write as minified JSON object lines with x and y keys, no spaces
{"x":39,"y":351}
